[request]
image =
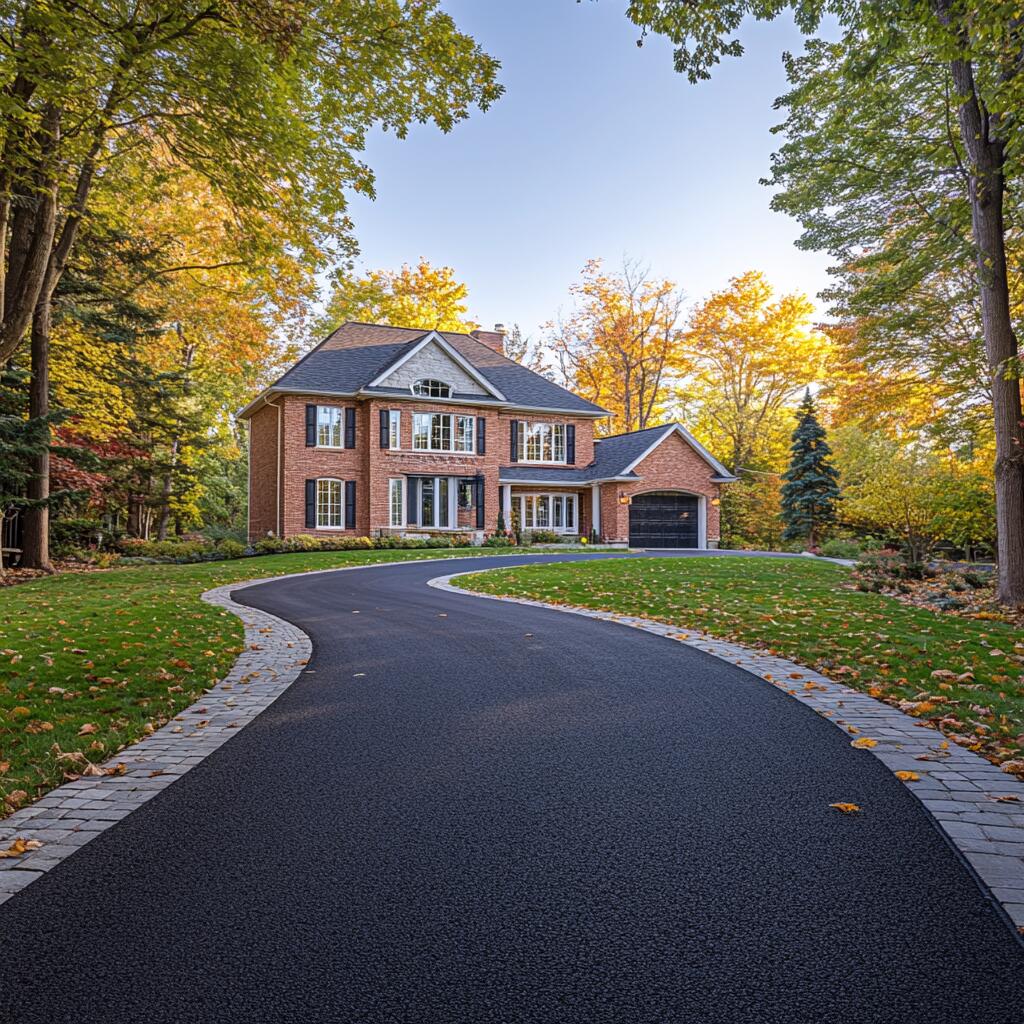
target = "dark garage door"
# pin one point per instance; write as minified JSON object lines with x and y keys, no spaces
{"x":663,"y":520}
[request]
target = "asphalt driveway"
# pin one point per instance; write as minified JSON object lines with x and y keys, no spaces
{"x":469,"y":811}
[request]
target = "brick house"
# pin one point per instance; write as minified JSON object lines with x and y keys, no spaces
{"x":384,"y":430}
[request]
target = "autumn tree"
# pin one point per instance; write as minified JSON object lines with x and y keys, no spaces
{"x":621,"y":346}
{"x":421,"y":296}
{"x":749,"y":354}
{"x":269,"y":101}
{"x":903,"y":142}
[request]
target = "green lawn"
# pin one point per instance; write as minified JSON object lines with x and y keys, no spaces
{"x":964,"y":675}
{"x":123,"y":651}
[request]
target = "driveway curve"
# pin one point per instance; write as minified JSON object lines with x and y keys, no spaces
{"x":471,"y":811}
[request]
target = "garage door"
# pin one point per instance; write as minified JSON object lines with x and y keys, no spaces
{"x":663,"y":520}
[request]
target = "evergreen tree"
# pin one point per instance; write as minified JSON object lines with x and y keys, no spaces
{"x":811,"y":490}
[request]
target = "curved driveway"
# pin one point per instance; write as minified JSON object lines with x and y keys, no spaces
{"x":468,"y":811}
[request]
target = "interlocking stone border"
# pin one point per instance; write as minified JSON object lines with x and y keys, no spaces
{"x":67,"y":817}
{"x":960,"y":790}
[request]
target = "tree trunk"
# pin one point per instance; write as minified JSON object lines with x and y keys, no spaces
{"x":36,"y":545}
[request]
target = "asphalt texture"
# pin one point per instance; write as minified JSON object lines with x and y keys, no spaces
{"x":469,"y":811}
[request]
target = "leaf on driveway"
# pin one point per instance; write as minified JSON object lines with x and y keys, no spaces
{"x":20,"y":846}
{"x":846,"y":808}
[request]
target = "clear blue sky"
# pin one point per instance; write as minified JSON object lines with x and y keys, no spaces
{"x":597,"y":149}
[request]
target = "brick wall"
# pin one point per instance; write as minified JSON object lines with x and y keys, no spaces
{"x":262,"y":472}
{"x":673,"y":465}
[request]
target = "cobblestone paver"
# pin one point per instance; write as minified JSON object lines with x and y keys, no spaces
{"x":979,"y":807}
{"x":71,"y":815}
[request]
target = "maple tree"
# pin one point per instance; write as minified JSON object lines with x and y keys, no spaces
{"x":420,"y":296}
{"x":621,"y":346}
{"x":749,"y":354}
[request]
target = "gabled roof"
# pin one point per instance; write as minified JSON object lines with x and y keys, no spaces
{"x":349,"y":360}
{"x":616,"y":458}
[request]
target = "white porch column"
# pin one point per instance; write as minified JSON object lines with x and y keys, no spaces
{"x":506,"y":505}
{"x":702,"y":522}
{"x":595,"y":509}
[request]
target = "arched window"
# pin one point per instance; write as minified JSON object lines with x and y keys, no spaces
{"x":430,"y":388}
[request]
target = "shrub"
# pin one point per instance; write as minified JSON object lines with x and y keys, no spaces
{"x":541,"y":537}
{"x":269,"y":546}
{"x":977,"y":580}
{"x":838,"y":548}
{"x":498,"y":540}
{"x":69,"y":535}
{"x":305,"y":542}
{"x":228,"y":548}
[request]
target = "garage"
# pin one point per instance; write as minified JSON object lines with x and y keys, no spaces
{"x":664,"y":519}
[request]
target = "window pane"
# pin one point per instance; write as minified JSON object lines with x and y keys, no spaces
{"x":529,"y":504}
{"x":328,"y":503}
{"x":557,"y":503}
{"x":328,"y":421}
{"x":570,"y":512}
{"x":396,"y":501}
{"x":543,"y":511}
{"x":559,"y":453}
{"x":464,"y":433}
{"x":442,"y":501}
{"x":427,"y":501}
{"x":521,"y":445}
{"x":465,"y":494}
{"x":546,"y":439}
{"x":533,"y":443}
{"x":421,"y":430}
{"x":394,"y":429}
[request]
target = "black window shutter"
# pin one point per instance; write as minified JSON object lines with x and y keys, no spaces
{"x":570,"y":444}
{"x":350,"y":504}
{"x":310,"y":426}
{"x":385,"y":432}
{"x":481,"y":435}
{"x":350,"y":427}
{"x":479,"y":502}
{"x":513,"y":445}
{"x":311,"y":501}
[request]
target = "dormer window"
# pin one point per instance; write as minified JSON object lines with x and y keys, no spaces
{"x":431,"y":388}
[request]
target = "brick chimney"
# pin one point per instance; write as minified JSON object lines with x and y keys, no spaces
{"x":492,"y":339}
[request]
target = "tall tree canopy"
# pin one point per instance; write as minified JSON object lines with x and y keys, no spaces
{"x":621,"y":346}
{"x":903,"y":157}
{"x":749,"y":354}
{"x":420,"y":296}
{"x":268,"y":101}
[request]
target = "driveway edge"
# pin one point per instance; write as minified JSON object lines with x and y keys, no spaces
{"x":960,"y":790}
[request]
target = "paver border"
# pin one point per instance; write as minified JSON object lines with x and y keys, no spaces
{"x":69,"y":816}
{"x":959,"y":789}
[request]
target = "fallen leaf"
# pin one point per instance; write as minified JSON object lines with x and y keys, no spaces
{"x":20,"y":846}
{"x":864,"y":743}
{"x":846,"y":808}
{"x":908,"y":776}
{"x":86,"y":729}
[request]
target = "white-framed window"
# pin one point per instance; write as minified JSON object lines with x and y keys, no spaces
{"x":328,"y":503}
{"x":396,"y":501}
{"x":443,"y":432}
{"x":432,"y":388}
{"x":547,"y":512}
{"x":541,"y":442}
{"x":394,"y":429}
{"x":330,"y":426}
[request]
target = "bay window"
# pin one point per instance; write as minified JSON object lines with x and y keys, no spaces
{"x":547,"y":512}
{"x":443,"y":432}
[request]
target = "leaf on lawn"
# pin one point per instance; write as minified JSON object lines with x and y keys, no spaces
{"x":20,"y":847}
{"x":864,"y":743}
{"x":905,"y":776}
{"x":87,"y":729}
{"x":846,"y":808}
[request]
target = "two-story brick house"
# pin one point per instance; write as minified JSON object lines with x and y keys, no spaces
{"x":401,"y":430}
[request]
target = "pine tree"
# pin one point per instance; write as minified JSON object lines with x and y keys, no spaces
{"x":811,"y":488}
